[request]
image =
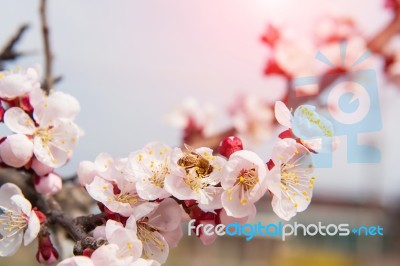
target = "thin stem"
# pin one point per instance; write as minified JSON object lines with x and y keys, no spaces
{"x":48,"y":79}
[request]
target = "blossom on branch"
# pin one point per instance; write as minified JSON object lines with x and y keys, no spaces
{"x":18,"y":83}
{"x":194,"y":176}
{"x":18,"y":222}
{"x":290,"y":179}
{"x":244,"y":182}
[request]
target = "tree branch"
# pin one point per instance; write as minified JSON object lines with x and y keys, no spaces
{"x":48,"y":78}
{"x":8,"y":52}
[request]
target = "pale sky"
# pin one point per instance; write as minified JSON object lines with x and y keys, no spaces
{"x":129,"y":62}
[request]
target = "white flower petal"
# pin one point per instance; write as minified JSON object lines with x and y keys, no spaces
{"x":33,"y":228}
{"x":19,"y":203}
{"x":282,"y":114}
{"x":77,"y":261}
{"x":167,"y":216}
{"x":18,"y":121}
{"x":10,"y":245}
{"x":233,"y":206}
{"x":156,"y":248}
{"x":143,"y":262}
{"x":86,"y":172}
{"x":284,"y":208}
{"x":6,"y":192}
{"x":16,"y":150}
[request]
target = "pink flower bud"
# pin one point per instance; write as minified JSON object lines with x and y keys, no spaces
{"x":40,"y":168}
{"x":49,"y":184}
{"x":16,"y":150}
{"x":230,"y":145}
{"x":46,"y":254}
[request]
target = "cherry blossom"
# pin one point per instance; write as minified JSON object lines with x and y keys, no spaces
{"x":125,"y":238}
{"x":40,"y":168}
{"x":150,"y":166}
{"x":77,"y":261}
{"x":18,"y":222}
{"x":18,"y":83}
{"x":194,"y":176}
{"x":191,"y":116}
{"x":252,"y":118}
{"x":314,"y":130}
{"x":294,"y":57}
{"x":244,"y":181}
{"x":335,"y":29}
{"x":159,"y":230}
{"x":48,"y":184}
{"x":354,"y":47}
{"x":120,"y":198}
{"x":290,"y":179}
{"x":53,"y":140}
{"x":16,"y":150}
{"x":106,"y":167}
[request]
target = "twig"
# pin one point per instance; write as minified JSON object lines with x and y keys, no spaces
{"x":48,"y":78}
{"x":8,"y":52}
{"x":377,"y":44}
{"x":77,"y":228}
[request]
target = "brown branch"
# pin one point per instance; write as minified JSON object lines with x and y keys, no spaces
{"x":77,"y":228}
{"x":48,"y":78}
{"x":377,"y":43}
{"x":8,"y":52}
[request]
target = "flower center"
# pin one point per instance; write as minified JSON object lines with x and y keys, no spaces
{"x":292,"y":185}
{"x":44,"y":134}
{"x":146,"y":234}
{"x":245,"y":182}
{"x":194,"y":182}
{"x":11,"y":222}
{"x":158,"y":175}
{"x":316,"y":121}
{"x":126,"y":198}
{"x":247,"y":179}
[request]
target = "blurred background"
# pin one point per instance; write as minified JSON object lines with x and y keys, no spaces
{"x":129,"y":63}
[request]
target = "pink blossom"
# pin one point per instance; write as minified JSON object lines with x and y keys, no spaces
{"x":40,"y":168}
{"x":191,"y":116}
{"x":18,"y":83}
{"x":252,"y":118}
{"x":188,"y":181}
{"x":49,"y":184}
{"x":18,"y":222}
{"x":290,"y":179}
{"x":153,"y":226}
{"x":120,"y":198}
{"x":244,"y":182}
{"x":16,"y":150}
{"x":53,"y":139}
{"x":150,"y":167}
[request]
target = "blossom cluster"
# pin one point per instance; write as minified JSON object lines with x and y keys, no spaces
{"x":150,"y":193}
{"x":290,"y":58}
{"x":43,"y":132}
{"x":146,"y":196}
